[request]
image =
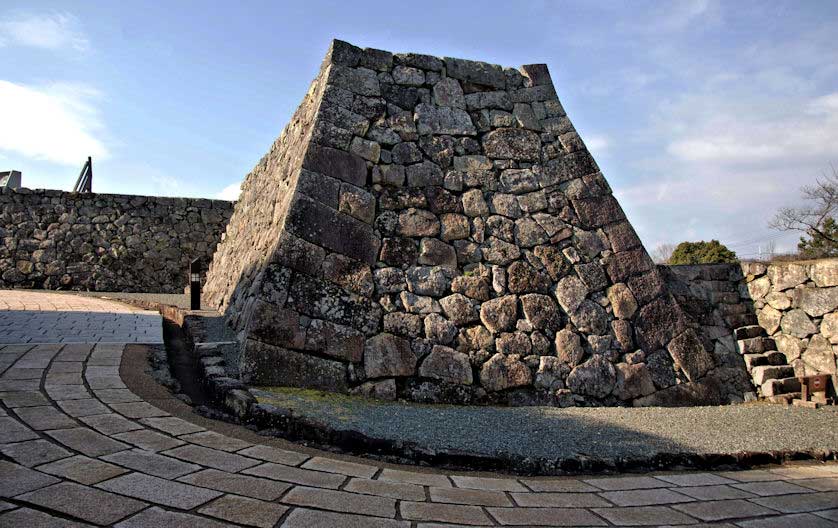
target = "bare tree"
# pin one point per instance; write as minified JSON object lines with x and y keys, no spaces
{"x":662,"y":252}
{"x":822,"y":198}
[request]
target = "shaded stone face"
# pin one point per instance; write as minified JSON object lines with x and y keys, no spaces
{"x":439,"y":222}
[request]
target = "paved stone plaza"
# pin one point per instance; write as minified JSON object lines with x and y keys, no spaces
{"x":81,"y":447}
{"x":38,"y":317}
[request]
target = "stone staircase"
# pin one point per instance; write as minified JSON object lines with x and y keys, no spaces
{"x":770,"y":372}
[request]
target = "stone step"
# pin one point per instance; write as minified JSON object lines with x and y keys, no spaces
{"x":768,"y":358}
{"x":747,"y":332}
{"x":739,"y":320}
{"x":784,"y":399}
{"x":756,"y":345}
{"x":776,"y":358}
{"x":775,"y":387}
{"x":763,"y":373}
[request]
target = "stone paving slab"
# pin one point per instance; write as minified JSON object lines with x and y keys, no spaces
{"x":41,"y":317}
{"x":119,"y":468}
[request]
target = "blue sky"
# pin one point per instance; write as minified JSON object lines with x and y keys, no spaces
{"x":705,"y":116}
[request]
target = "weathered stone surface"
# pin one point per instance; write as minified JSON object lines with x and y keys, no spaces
{"x":348,"y":273}
{"x":497,"y":251}
{"x":595,"y":377}
{"x":418,"y":223}
{"x":514,"y":343}
{"x":403,"y":324}
{"x":550,"y":374}
{"x":824,"y":273}
{"x":690,"y":356}
{"x":570,"y":292}
{"x":622,"y":301}
{"x":475,"y":72}
{"x":790,"y":346}
{"x":797,"y":323}
{"x":378,"y":390}
{"x":274,"y":325}
{"x":454,"y":226}
{"x":815,"y":301}
{"x":446,"y":364}
{"x":399,"y":251}
{"x":757,"y":288}
{"x":592,"y":275}
{"x":473,"y":287}
{"x":529,"y":233}
{"x":778,"y":300}
{"x":787,"y":276}
{"x":500,"y":314}
{"x":320,"y":224}
{"x":474,"y":204}
{"x":518,"y":181}
{"x":541,"y":311}
{"x":769,"y":319}
{"x":386,"y":355}
{"x":419,"y":304}
{"x":439,"y":330}
{"x":336,"y":164}
{"x":632,"y":381}
{"x":338,"y":341}
{"x":590,"y":318}
{"x":263,"y":364}
{"x":523,"y":278}
{"x":429,"y":280}
{"x":503,"y":372}
{"x":829,"y":327}
{"x":569,"y":347}
{"x":512,"y":143}
{"x":448,"y":92}
{"x":818,"y":358}
{"x":443,"y":120}
{"x":657,"y":323}
{"x":434,"y":252}
{"x":459,"y":309}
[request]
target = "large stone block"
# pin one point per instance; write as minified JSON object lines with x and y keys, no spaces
{"x":264,"y":364}
{"x":321,"y":225}
{"x":690,"y":355}
{"x":448,"y":365}
{"x":336,"y":164}
{"x":386,"y":355}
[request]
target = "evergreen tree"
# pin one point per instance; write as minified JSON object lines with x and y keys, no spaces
{"x":712,"y":252}
{"x":821,"y":243}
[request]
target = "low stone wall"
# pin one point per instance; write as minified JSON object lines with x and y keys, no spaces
{"x":104,"y":242}
{"x":781,"y":318}
{"x":796,"y":303}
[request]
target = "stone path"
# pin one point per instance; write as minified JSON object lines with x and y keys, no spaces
{"x":79,"y":448}
{"x":39,"y":317}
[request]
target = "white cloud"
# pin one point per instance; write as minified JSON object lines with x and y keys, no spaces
{"x":53,"y":31}
{"x":598,"y":143}
{"x":56,"y":123}
{"x":231,"y":192}
{"x":756,"y":134}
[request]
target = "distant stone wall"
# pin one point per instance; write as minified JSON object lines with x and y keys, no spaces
{"x":104,"y":242}
{"x":797,"y":305}
{"x":780,"y":319}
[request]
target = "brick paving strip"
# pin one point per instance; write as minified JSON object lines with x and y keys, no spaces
{"x":87,"y":450}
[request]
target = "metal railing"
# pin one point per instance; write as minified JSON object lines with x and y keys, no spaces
{"x":85,"y":182}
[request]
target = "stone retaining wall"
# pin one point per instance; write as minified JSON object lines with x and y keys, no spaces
{"x":750,"y":310}
{"x":435,"y":229}
{"x":105,"y":242}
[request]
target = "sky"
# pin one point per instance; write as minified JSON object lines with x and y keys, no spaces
{"x":704,"y":116}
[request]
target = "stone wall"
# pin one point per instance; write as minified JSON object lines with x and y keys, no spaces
{"x":104,"y":242}
{"x":435,"y":229}
{"x":780,"y":319}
